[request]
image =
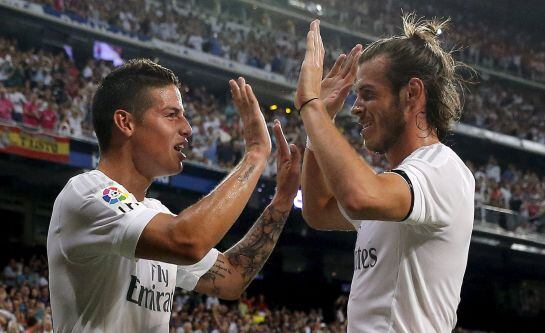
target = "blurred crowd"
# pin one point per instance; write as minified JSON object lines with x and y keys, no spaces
{"x":256,"y":42}
{"x":24,"y":297}
{"x":49,"y":92}
{"x":483,"y":39}
{"x":513,"y":110}
{"x":522,"y":192}
{"x":254,"y":39}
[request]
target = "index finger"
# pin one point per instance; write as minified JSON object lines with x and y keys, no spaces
{"x":337,"y":66}
{"x":352,"y":60}
{"x":281,"y":142}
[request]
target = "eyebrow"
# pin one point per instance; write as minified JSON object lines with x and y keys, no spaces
{"x":173,"y":108}
{"x":360,"y":86}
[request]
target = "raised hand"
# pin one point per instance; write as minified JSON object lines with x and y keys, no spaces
{"x":312,"y":68}
{"x":288,"y":168}
{"x":337,"y":83}
{"x":256,"y":135}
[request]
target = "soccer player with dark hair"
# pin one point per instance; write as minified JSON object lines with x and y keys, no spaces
{"x":414,"y":222}
{"x":115,"y":256}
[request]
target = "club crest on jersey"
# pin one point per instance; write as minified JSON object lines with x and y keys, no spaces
{"x":118,"y":199}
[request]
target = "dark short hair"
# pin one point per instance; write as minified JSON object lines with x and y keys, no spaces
{"x":418,"y":53}
{"x":126,"y":88}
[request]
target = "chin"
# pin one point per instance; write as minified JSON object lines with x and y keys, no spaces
{"x":373,"y":146}
{"x":175,"y":171}
{"x":170,"y":171}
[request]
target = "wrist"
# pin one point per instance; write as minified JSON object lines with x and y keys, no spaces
{"x":308,"y":104}
{"x":282,"y":203}
{"x":256,"y":156}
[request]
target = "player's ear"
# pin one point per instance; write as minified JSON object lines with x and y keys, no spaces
{"x":124,"y":122}
{"x":416,"y":92}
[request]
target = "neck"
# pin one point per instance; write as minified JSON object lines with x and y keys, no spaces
{"x":120,"y":167}
{"x":407,"y":143}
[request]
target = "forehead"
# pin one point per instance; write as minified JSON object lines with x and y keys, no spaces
{"x":373,"y":73}
{"x":167,"y":96}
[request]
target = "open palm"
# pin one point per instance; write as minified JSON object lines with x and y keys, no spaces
{"x":336,"y":85}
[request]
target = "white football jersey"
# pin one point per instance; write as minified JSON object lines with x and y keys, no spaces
{"x":96,"y":283}
{"x":408,"y":275}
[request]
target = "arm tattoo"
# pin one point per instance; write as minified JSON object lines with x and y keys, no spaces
{"x":244,"y":178}
{"x":217,"y":271}
{"x":250,"y":254}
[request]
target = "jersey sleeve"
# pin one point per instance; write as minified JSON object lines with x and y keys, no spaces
{"x":100,"y":220}
{"x":435,"y":188}
{"x":188,"y":275}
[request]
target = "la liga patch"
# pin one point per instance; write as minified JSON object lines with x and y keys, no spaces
{"x":117,"y":199}
{"x":113,"y":195}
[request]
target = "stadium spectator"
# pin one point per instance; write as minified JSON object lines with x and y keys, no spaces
{"x":48,"y":119}
{"x":6,"y":106}
{"x":31,"y":115}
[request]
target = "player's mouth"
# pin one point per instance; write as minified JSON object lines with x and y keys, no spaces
{"x":365,"y":125}
{"x":179,"y":148}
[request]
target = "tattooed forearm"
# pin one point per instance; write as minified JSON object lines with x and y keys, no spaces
{"x":250,"y":254}
{"x":219,"y":270}
{"x":244,"y":177}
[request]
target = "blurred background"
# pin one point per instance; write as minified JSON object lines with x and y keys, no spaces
{"x":53,"y":53}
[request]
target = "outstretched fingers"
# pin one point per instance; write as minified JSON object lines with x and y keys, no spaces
{"x":252,"y":100}
{"x":320,"y":46}
{"x":281,"y":142}
{"x":243,"y":95}
{"x":243,"y":90}
{"x":337,"y":66}
{"x":351,"y":64}
{"x":235,"y":91}
{"x":295,"y":156}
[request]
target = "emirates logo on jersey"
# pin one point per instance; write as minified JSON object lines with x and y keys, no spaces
{"x":113,"y":195}
{"x":155,"y":298}
{"x":365,"y":258}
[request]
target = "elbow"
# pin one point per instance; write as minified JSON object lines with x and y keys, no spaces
{"x":311,"y":219}
{"x":310,"y":214}
{"x":315,"y":218}
{"x":231,"y":295}
{"x":355,"y":203}
{"x":188,"y":248}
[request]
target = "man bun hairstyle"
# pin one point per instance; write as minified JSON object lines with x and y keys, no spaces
{"x":418,"y":53}
{"x":126,"y":88}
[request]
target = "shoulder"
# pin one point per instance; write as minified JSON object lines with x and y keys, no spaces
{"x":437,"y":160}
{"x":89,"y":182}
{"x":157,"y":205}
{"x":86,"y":189}
{"x":439,"y":171}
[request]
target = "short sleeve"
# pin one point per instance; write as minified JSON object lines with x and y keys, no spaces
{"x":439,"y":187}
{"x":100,"y":220}
{"x":414,"y":179}
{"x":189,"y":275}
